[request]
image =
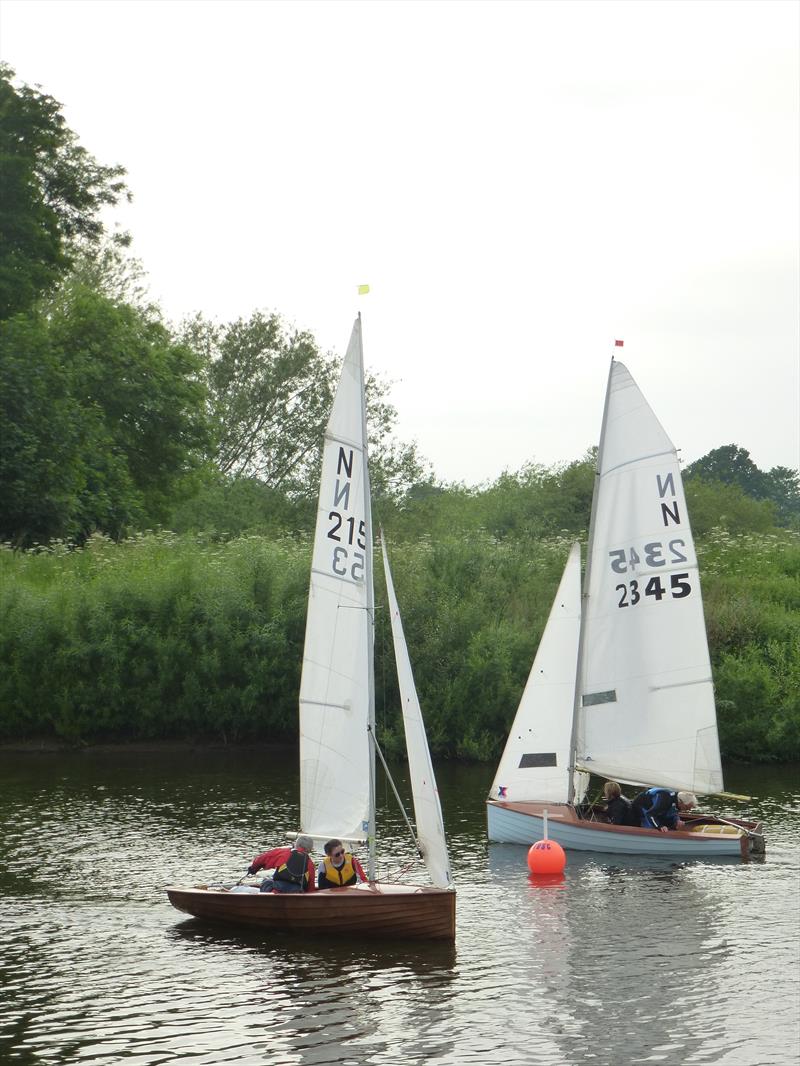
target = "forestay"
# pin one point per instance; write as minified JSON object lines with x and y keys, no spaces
{"x":535,"y":762}
{"x":337,"y":660}
{"x":427,"y":808}
{"x":646,"y":708}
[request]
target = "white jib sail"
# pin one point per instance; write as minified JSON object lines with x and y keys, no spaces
{"x":335,"y":684}
{"x":427,"y":808}
{"x":646,"y":713}
{"x":535,"y":763}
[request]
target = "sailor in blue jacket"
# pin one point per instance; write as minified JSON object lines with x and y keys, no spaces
{"x":661,"y":808}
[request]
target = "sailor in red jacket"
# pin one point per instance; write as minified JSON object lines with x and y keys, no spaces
{"x":294,"y":868}
{"x":339,"y":867}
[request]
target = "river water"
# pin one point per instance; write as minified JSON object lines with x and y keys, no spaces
{"x":623,"y":961}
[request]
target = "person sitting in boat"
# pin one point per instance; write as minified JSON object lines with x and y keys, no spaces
{"x":294,"y":868}
{"x":618,"y":807}
{"x":661,"y":808}
{"x":339,"y":867}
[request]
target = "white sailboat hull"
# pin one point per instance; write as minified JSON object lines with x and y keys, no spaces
{"x":523,"y":823}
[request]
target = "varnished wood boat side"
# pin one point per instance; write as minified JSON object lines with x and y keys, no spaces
{"x":394,"y":911}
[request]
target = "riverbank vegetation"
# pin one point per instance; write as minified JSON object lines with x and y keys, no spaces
{"x":165,"y":636}
{"x":116,"y":422}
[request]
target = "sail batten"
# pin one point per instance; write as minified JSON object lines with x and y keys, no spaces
{"x":636,"y":459}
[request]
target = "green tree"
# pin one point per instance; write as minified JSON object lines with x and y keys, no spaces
{"x":53,"y":190}
{"x":714,"y":505}
{"x":236,"y":505}
{"x":42,"y":473}
{"x":270,"y":392}
{"x":783,"y":489}
{"x":732,"y":465}
{"x":103,"y":419}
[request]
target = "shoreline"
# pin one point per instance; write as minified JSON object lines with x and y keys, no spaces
{"x":53,"y":746}
{"x":60,"y":747}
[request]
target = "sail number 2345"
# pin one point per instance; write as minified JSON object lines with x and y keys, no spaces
{"x":654,"y":554}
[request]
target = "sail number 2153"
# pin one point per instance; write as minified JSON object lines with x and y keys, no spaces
{"x":344,"y":531}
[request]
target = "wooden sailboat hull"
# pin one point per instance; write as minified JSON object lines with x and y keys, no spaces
{"x":523,"y":823}
{"x":405,"y":912}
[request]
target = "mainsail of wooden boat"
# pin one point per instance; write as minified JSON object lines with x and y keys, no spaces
{"x":337,"y":716}
{"x":336,"y":687}
{"x":642,"y":702}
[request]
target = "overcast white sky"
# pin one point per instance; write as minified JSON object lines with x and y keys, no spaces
{"x":519,"y":183}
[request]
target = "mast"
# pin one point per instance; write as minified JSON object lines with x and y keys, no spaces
{"x":573,"y":744}
{"x":368,"y":577}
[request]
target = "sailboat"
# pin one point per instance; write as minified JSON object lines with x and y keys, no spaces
{"x":621,"y":685}
{"x":337,"y":718}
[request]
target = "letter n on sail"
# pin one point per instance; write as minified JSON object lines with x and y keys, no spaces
{"x":345,"y":462}
{"x":668,"y":513}
{"x":341,"y":494}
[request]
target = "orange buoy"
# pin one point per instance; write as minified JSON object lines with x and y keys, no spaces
{"x":546,"y":857}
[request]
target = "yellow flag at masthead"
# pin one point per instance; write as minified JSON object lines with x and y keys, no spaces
{"x":363,"y":290}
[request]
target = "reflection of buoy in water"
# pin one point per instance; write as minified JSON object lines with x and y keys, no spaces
{"x":546,"y":856}
{"x":547,"y":880}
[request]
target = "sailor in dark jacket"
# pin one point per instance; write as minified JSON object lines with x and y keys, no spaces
{"x":618,"y":807}
{"x":661,"y":808}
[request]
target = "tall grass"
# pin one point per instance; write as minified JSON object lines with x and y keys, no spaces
{"x":158,"y":636}
{"x":190,"y":637}
{"x":751,"y":586}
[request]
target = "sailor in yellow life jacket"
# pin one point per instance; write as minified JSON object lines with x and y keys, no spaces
{"x":339,"y":867}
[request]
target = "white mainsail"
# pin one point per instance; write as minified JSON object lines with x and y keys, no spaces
{"x":335,"y":688}
{"x":427,"y":808}
{"x":535,"y":763}
{"x":645,"y":712}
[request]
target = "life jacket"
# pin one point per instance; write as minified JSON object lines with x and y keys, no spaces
{"x":657,"y":807}
{"x":344,"y":874}
{"x":295,"y":869}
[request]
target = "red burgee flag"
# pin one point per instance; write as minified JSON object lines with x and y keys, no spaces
{"x":618,"y":344}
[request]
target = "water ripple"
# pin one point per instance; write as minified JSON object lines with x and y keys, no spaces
{"x":620,"y":961}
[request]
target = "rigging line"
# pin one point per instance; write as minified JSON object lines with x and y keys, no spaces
{"x":383,"y":694}
{"x":735,"y":825}
{"x":384,"y":645}
{"x":394,"y":789}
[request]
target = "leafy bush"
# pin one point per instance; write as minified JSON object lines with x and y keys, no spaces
{"x":201,"y":637}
